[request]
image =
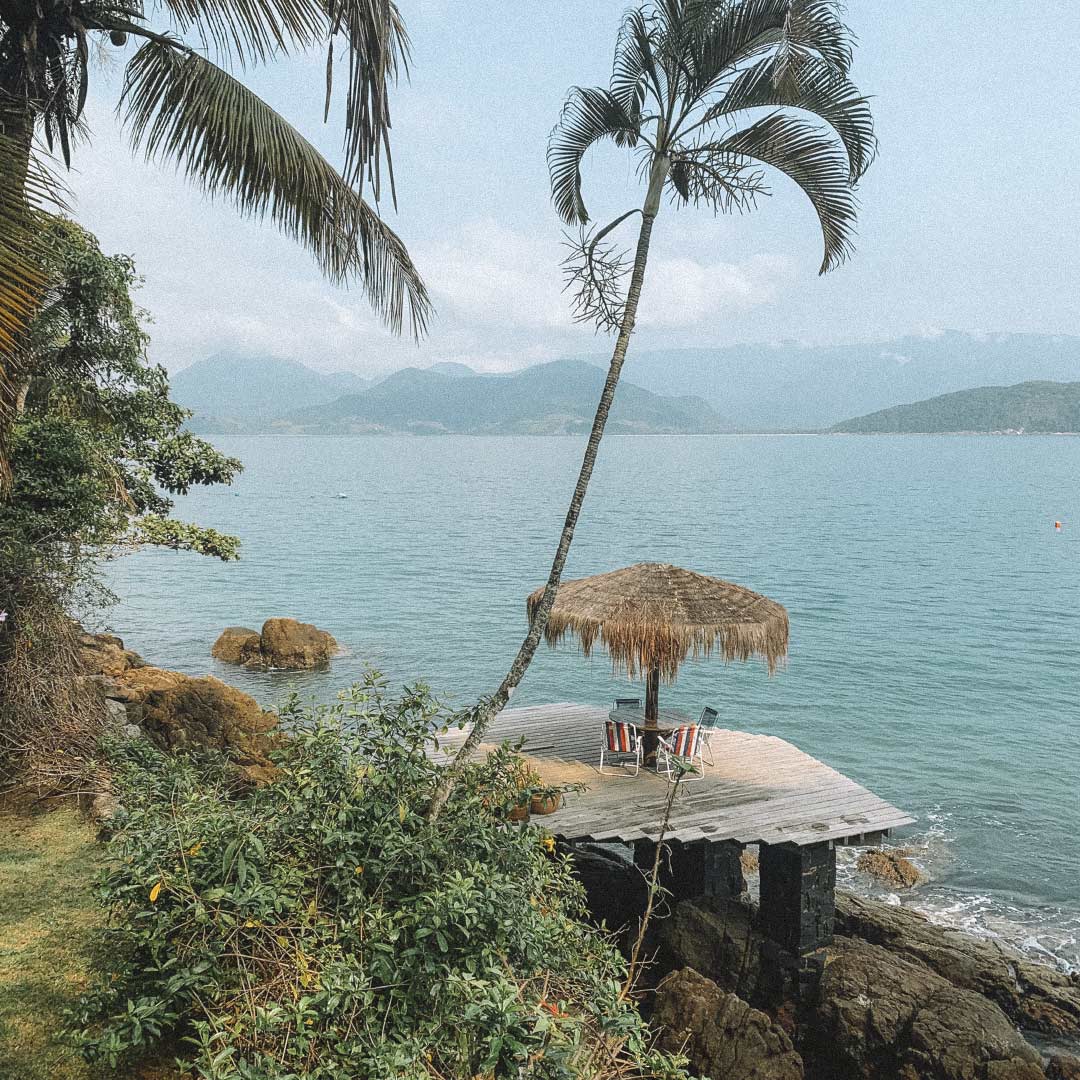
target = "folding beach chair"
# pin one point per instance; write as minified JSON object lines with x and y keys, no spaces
{"x":709,"y":722}
{"x":622,"y":741}
{"x":681,"y":747}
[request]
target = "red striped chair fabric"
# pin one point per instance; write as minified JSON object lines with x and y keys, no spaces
{"x":686,"y":741}
{"x":620,"y":736}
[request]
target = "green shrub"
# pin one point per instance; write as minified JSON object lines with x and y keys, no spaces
{"x":321,"y":927}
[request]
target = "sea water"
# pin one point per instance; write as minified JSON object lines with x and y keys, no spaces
{"x":934,"y":610}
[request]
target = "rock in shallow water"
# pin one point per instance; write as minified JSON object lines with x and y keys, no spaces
{"x":238,"y":645}
{"x":890,"y":868}
{"x":721,"y":1035}
{"x":283,"y":643}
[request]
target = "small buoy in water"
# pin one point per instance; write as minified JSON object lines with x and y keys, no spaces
{"x":1057,"y":526}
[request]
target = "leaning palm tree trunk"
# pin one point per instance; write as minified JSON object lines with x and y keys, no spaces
{"x":490,"y":707}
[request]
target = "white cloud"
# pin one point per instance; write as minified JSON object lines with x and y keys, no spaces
{"x":682,"y":292}
{"x":494,"y":275}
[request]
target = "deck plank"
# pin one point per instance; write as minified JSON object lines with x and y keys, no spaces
{"x":761,"y":789}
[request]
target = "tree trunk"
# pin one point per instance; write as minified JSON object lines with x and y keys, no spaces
{"x":487,"y":710}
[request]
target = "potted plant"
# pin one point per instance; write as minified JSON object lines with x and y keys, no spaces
{"x":545,"y":800}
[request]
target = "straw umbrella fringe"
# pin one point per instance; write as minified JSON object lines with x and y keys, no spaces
{"x":652,"y":616}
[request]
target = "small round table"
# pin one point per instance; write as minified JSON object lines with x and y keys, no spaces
{"x":667,"y":720}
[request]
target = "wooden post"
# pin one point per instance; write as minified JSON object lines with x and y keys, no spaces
{"x":652,"y":709}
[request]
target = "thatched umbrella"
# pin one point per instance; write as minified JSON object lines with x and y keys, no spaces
{"x":652,"y":616}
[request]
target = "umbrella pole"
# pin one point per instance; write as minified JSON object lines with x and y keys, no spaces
{"x":652,"y":709}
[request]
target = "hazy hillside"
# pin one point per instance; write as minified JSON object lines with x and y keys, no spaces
{"x":797,"y":387}
{"x":233,"y":389}
{"x":556,"y":398}
{"x":1028,"y":407}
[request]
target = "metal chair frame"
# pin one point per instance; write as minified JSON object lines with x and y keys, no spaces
{"x":709,"y":719}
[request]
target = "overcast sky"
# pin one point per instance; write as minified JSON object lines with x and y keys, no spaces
{"x":970,"y":214}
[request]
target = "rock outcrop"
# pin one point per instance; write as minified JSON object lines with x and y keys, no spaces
{"x":1035,"y":996}
{"x":890,"y":868}
{"x":884,"y":1017}
{"x":283,"y":643}
{"x":179,"y":712}
{"x":721,"y":1035}
{"x":716,"y":939}
{"x":104,"y":654}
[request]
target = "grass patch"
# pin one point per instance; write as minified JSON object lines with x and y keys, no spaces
{"x":48,"y":921}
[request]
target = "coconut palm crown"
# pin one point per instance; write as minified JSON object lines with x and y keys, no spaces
{"x":712,"y":94}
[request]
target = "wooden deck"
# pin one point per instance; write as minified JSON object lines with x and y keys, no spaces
{"x":761,"y":789}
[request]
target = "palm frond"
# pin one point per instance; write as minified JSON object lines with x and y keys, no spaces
{"x":376,"y":49}
{"x":181,"y":107}
{"x":250,"y":31}
{"x":818,"y":88}
{"x":815,"y":160}
{"x":589,"y":115}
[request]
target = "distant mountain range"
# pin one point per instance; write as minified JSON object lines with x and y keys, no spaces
{"x":549,"y":399}
{"x":237,"y":388}
{"x":1030,"y":407}
{"x":792,"y":387}
{"x":786,"y":387}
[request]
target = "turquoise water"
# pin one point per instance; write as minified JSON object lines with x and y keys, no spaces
{"x":934,"y":651}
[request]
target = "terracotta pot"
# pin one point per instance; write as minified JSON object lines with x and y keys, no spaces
{"x":518,"y":813}
{"x":545,"y":804}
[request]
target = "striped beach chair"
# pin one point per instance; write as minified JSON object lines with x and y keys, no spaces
{"x":621,"y":741}
{"x":681,"y":748}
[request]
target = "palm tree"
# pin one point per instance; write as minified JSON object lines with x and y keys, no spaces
{"x":710,"y":95}
{"x":180,"y":105}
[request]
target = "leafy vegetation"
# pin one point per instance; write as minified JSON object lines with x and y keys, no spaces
{"x":688,"y":80}
{"x":96,"y":450}
{"x":1028,"y":406}
{"x":97,"y":437}
{"x":324,"y":927}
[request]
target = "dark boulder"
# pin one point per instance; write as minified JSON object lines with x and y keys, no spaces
{"x":880,"y":1016}
{"x":1035,"y":996}
{"x":722,"y":1036}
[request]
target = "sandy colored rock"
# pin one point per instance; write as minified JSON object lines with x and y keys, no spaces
{"x":890,"y":868}
{"x":295,"y":646}
{"x":104,"y":654}
{"x":881,"y":1017}
{"x":285,"y":644}
{"x":749,"y":862}
{"x":720,"y":1033}
{"x":238,"y":645}
{"x":1033,"y":995}
{"x":178,"y":712}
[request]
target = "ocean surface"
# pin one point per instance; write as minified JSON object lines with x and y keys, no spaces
{"x":935,"y":624}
